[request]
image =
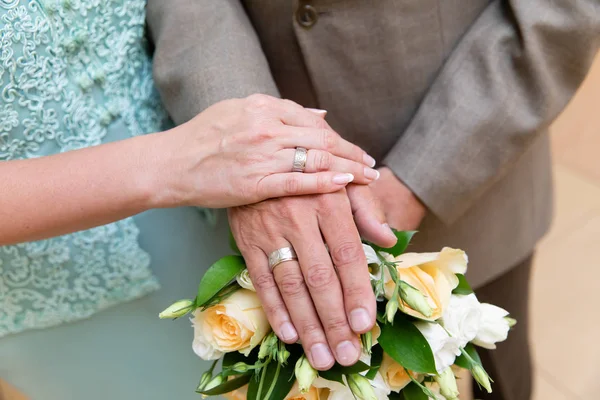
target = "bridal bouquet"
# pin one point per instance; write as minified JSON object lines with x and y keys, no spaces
{"x":429,"y":323}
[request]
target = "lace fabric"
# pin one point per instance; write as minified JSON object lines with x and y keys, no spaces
{"x":73,"y":74}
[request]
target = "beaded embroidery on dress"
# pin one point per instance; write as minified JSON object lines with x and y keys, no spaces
{"x":73,"y":74}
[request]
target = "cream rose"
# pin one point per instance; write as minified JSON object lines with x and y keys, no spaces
{"x":237,"y":324}
{"x":393,"y":374}
{"x":433,"y":274}
{"x":243,"y":279}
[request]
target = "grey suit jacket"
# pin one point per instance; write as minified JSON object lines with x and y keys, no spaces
{"x":453,"y":95}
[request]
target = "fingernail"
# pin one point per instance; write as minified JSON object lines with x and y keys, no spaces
{"x":360,"y":320}
{"x":342,"y":179}
{"x":371,"y":173}
{"x":318,"y":111}
{"x":390,"y":231}
{"x":370,"y":161}
{"x":287,"y":332}
{"x":321,"y":356}
{"x":347,"y":354}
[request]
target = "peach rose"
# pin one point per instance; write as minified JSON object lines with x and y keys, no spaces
{"x":433,"y":274}
{"x":394,"y":374}
{"x":237,"y":324}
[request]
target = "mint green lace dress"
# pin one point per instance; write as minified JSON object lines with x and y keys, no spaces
{"x":76,"y":73}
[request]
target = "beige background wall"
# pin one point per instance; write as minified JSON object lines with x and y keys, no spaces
{"x":566,"y":283}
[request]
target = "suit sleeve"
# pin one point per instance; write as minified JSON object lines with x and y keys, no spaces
{"x":508,"y":78}
{"x":205,"y":51}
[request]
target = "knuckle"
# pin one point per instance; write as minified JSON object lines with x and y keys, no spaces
{"x":292,"y":285}
{"x":264,"y":281}
{"x":311,"y":329}
{"x":337,"y":325}
{"x":292,"y":185}
{"x":322,"y":160}
{"x":259,"y":100}
{"x":345,"y":253}
{"x":320,"y":276}
{"x":323,"y":183}
{"x":329,"y":139}
{"x":275,"y":309}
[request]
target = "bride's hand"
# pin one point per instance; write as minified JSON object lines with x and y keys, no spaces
{"x":241,"y":151}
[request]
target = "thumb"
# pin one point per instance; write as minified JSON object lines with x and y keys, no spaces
{"x":369,"y":216}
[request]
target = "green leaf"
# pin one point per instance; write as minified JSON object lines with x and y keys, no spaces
{"x":218,"y":276}
{"x":463,"y":286}
{"x":276,"y":383}
{"x":413,"y":392}
{"x":407,"y":346}
{"x":336,"y":372}
{"x":464,"y":362}
{"x":376,"y":359}
{"x":233,"y":245}
{"x":404,"y":238}
{"x":228,"y":386}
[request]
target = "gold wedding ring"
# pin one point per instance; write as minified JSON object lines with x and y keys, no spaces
{"x":300,"y":157}
{"x":280,"y":256}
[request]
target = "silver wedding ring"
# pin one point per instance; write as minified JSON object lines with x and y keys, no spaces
{"x":280,"y":256}
{"x":300,"y":157}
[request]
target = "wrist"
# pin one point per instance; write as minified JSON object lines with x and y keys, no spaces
{"x":174,"y":167}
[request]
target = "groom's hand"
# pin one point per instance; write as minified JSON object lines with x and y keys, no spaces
{"x":307,"y":299}
{"x":388,"y":201}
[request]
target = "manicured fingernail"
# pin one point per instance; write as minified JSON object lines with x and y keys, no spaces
{"x":347,"y":354}
{"x":342,"y":179}
{"x":371,"y":173}
{"x":360,"y":320}
{"x":287,"y":332}
{"x":318,"y":111}
{"x":321,"y":356}
{"x":370,"y":161}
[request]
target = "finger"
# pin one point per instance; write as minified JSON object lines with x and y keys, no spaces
{"x":327,"y":296}
{"x":297,"y":299}
{"x":319,"y":160}
{"x":268,"y":292}
{"x":369,"y":216}
{"x":297,"y":183}
{"x":323,"y":139}
{"x":341,"y":235}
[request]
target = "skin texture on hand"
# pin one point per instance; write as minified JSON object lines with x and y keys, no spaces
{"x":324,"y":299}
{"x":403,"y":210}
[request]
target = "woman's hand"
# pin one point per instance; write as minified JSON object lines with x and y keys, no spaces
{"x":241,"y":151}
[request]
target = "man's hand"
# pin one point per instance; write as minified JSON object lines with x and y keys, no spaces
{"x":386,"y":201}
{"x":308,"y":299}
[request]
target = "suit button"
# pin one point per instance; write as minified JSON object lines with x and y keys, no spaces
{"x":306,"y":16}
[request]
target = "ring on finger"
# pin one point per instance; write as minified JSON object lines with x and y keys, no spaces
{"x":300,"y":157}
{"x":280,"y":256}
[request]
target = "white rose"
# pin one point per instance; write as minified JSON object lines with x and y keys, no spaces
{"x":494,"y":326}
{"x":243,"y":279}
{"x":445,"y":348}
{"x":238,"y":323}
{"x":462,"y":318}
